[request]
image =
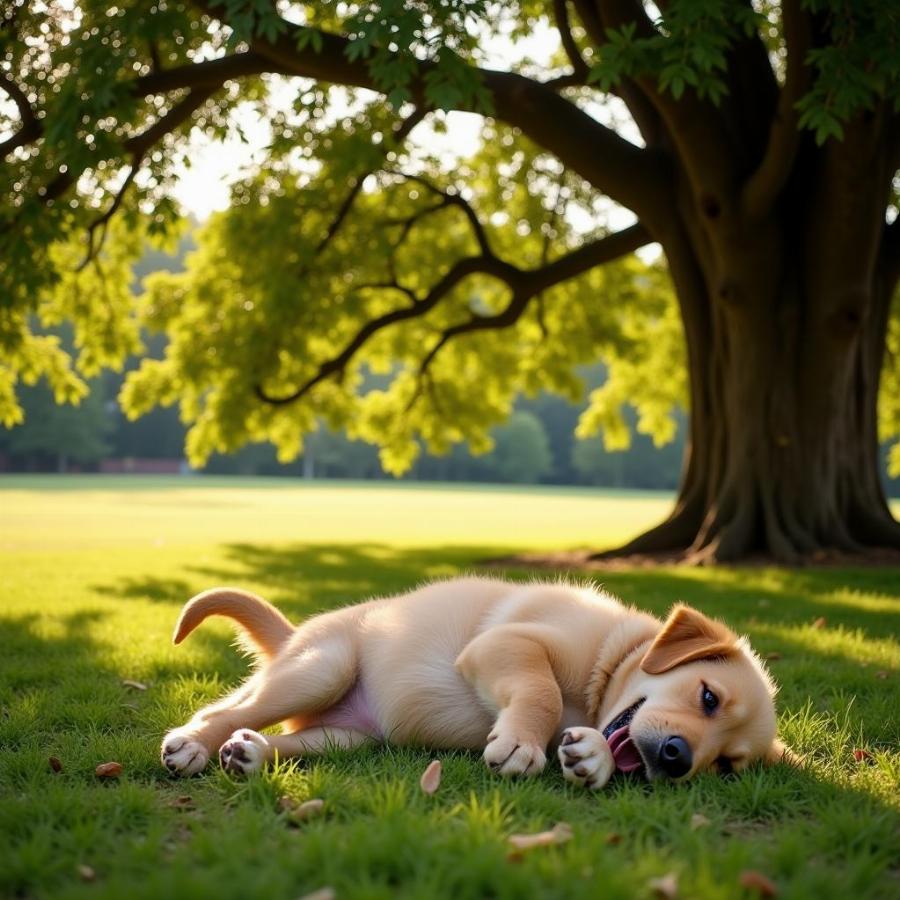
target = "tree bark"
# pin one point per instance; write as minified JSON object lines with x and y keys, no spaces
{"x":782,"y":457}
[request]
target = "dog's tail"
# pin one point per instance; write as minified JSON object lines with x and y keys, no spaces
{"x":265,"y":629}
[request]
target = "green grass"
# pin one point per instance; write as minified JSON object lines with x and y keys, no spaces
{"x":94,"y":571}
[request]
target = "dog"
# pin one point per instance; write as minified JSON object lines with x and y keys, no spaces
{"x":509,"y":669}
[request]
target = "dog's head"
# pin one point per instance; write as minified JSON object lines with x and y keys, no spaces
{"x":699,"y":700}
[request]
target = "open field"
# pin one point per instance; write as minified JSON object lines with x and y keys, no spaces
{"x":94,"y":572}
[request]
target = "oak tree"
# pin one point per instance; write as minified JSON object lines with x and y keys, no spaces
{"x":757,"y":143}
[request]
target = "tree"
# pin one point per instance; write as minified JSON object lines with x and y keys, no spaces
{"x":763,"y":160}
{"x":61,"y":434}
{"x":522,"y":451}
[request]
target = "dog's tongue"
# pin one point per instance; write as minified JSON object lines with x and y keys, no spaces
{"x":623,"y":750}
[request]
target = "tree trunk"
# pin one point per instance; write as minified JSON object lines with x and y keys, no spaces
{"x":784,"y":359}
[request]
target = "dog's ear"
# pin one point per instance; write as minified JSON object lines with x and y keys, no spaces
{"x":779,"y":754}
{"x":688,"y":635}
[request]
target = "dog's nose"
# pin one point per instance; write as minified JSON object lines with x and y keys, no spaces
{"x":675,"y":757}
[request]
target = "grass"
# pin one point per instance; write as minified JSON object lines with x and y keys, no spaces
{"x":94,"y":572}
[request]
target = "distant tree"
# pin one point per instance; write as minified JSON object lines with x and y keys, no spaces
{"x":61,"y":435}
{"x":521,"y":449}
{"x":757,"y":142}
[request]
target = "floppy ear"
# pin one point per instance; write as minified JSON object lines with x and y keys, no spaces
{"x":779,"y":754}
{"x":687,"y":635}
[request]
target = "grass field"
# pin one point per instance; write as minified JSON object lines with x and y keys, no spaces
{"x":94,"y":571}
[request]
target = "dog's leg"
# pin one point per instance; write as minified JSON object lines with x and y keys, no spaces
{"x":248,"y":751}
{"x":509,"y":668}
{"x":305,"y":679}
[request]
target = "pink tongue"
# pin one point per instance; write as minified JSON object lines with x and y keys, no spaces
{"x":624,"y":752}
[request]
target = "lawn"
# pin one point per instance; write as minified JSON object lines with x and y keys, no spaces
{"x":94,"y":571}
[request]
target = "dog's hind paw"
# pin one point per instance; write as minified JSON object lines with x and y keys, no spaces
{"x":244,"y":752}
{"x":182,"y":754}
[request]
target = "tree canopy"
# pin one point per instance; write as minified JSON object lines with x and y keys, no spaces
{"x":357,"y":246}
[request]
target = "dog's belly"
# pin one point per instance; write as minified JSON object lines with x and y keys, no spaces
{"x":354,"y":711}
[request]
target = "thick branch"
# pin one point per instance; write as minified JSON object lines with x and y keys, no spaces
{"x":211,"y":72}
{"x":627,"y":174}
{"x":31,"y":127}
{"x":524,"y":284}
{"x":696,"y":126}
{"x":765,"y":184}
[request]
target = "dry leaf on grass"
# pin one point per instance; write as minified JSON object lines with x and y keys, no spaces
{"x":431,"y":777}
{"x":698,"y":820}
{"x":821,"y":622}
{"x":665,"y":887}
{"x":300,"y":812}
{"x":86,"y":873}
{"x":756,"y":881}
{"x":55,"y":763}
{"x":108,"y":770}
{"x":134,"y":685}
{"x":558,"y":834}
{"x":325,"y":893}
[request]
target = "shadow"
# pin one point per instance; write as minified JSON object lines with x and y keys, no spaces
{"x":159,"y":590}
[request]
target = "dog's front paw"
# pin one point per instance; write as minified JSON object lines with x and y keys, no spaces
{"x":586,"y":758}
{"x":509,"y":755}
{"x":183,"y":754}
{"x":244,"y":752}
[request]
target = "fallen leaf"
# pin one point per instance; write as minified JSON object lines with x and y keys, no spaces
{"x":665,"y":887}
{"x":55,"y":763}
{"x":613,"y":838}
{"x":108,"y":770}
{"x":698,"y":820}
{"x":862,"y":755}
{"x":773,"y":657}
{"x":86,"y":873}
{"x":134,"y":685}
{"x":558,"y":834}
{"x":881,"y":674}
{"x":307,"y":810}
{"x":821,"y":622}
{"x":325,"y":893}
{"x":431,"y":777}
{"x":756,"y":881}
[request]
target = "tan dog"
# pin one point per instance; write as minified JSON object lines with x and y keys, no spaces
{"x":482,"y":664}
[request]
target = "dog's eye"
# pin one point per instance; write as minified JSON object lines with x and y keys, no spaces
{"x":709,"y":700}
{"x":724,"y":765}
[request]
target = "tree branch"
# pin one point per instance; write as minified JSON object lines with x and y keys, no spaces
{"x":524,"y":284}
{"x":695,"y":126}
{"x":30,"y":129}
{"x":207,"y":73}
{"x":580,"y":68}
{"x":627,"y":174}
{"x":762,"y":188}
{"x":400,"y":134}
